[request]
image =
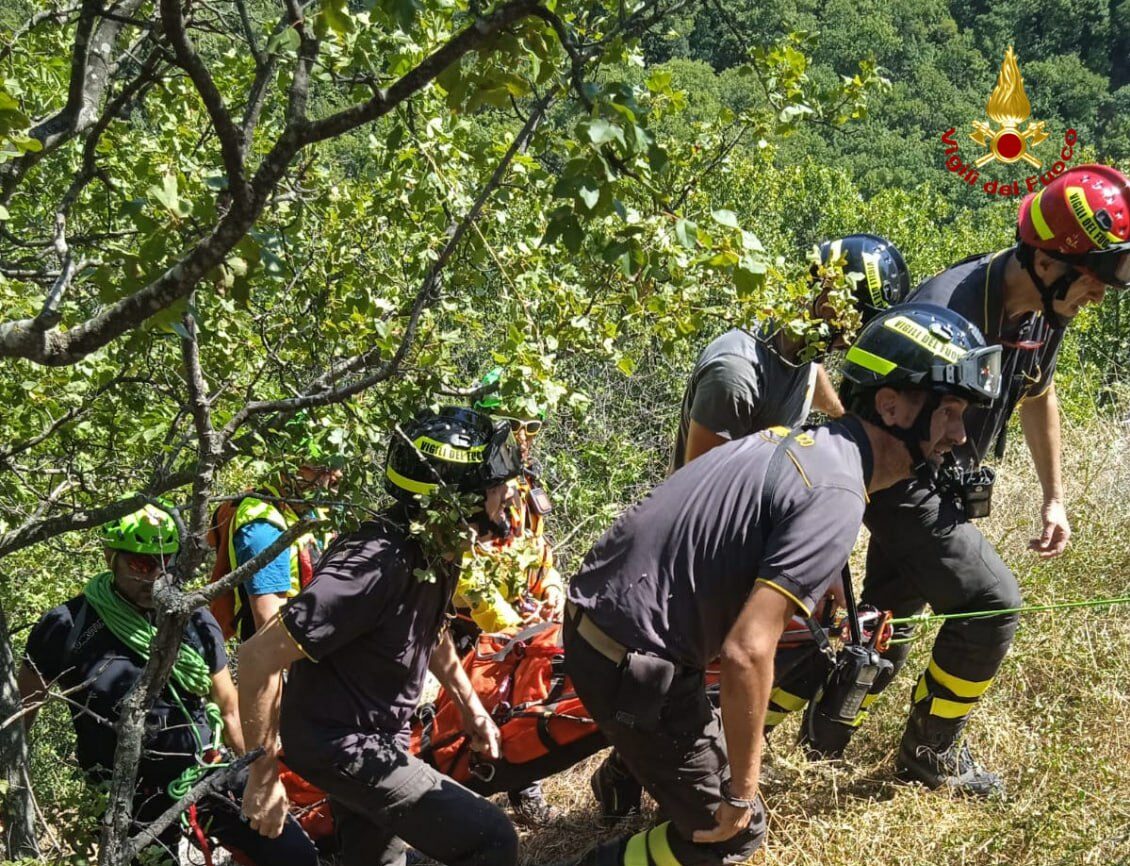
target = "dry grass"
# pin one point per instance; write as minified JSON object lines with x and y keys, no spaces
{"x":1056,"y":724}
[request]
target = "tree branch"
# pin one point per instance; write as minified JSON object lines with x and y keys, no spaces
{"x":231,"y":138}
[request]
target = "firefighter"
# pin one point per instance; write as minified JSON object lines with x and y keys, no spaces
{"x":528,"y":593}
{"x":358,"y":641}
{"x":1073,"y":243}
{"x":718,"y":559}
{"x":749,"y":380}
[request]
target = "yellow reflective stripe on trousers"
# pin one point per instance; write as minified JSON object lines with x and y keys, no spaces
{"x":950,"y":709}
{"x":660,"y":848}
{"x":961,"y":688}
{"x":774,"y":718}
{"x":787,"y":701}
{"x":635,"y":854}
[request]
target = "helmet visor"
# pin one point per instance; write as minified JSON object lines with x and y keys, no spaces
{"x":976,"y":375}
{"x":1112,"y":267}
{"x":502,"y":458}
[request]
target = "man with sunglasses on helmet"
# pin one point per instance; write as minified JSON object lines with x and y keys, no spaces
{"x":748,"y":380}
{"x":532,"y":590}
{"x":717,"y":560}
{"x":358,"y":641}
{"x":1073,"y":243}
{"x":94,"y":648}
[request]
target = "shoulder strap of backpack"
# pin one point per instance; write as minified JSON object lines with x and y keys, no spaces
{"x":74,"y":634}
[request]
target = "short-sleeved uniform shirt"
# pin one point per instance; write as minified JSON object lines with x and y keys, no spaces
{"x":1030,"y":346}
{"x":366,"y":624}
{"x":671,"y":575}
{"x":740,"y":385}
{"x":110,"y":668}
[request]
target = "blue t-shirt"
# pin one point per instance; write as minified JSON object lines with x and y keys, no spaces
{"x":273,"y":577}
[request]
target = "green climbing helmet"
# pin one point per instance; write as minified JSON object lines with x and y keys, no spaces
{"x":149,"y":530}
{"x":492,"y":401}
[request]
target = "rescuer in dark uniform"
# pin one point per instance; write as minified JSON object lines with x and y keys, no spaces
{"x":718,"y":559}
{"x":1073,"y":242}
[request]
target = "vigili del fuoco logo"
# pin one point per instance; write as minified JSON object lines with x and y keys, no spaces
{"x":1011,"y":138}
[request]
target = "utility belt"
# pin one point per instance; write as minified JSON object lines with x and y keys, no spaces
{"x":645,"y":678}
{"x":973,"y":488}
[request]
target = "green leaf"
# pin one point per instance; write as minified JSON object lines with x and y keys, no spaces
{"x":626,"y":365}
{"x":286,"y":40}
{"x":687,"y":233}
{"x":589,"y":193}
{"x":725,"y":218}
{"x":600,"y":131}
{"x":4,"y":213}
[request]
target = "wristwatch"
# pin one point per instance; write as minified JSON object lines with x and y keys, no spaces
{"x":737,"y":802}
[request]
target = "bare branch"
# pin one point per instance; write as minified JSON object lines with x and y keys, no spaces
{"x":91,"y":66}
{"x":384,"y":101}
{"x":231,"y":138}
{"x":212,"y":782}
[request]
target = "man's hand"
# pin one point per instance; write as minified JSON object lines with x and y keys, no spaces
{"x":264,"y":799}
{"x":1057,"y":530}
{"x":728,"y":822}
{"x":484,"y":733}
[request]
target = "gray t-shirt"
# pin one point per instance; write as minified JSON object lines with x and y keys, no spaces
{"x":671,"y":575}
{"x":367,"y":624}
{"x":741,"y":385}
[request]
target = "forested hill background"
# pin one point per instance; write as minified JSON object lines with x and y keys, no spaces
{"x":217,"y":213}
{"x":942,"y":61}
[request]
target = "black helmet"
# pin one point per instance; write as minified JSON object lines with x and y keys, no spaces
{"x":885,"y":281}
{"x":927,"y":347}
{"x":458,"y":448}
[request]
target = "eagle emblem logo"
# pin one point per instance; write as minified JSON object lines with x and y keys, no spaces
{"x":1009,"y":107}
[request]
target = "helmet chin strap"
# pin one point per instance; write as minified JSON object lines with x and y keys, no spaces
{"x":1057,"y":291}
{"x":913,"y":436}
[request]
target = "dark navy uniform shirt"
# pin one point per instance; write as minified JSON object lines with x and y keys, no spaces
{"x":104,"y":669}
{"x":672,"y":574}
{"x":367,"y":624}
{"x":974,"y":288}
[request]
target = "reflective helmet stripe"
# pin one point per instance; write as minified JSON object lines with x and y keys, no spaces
{"x":868,"y":361}
{"x":1038,"y":221}
{"x":406,"y":483}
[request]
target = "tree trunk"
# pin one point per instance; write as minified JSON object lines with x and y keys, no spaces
{"x":19,"y":811}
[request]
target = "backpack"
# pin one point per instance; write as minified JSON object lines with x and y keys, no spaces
{"x":519,"y":679}
{"x":230,"y":615}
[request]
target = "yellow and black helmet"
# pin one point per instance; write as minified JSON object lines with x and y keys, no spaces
{"x":926,"y":347}
{"x":455,"y":448}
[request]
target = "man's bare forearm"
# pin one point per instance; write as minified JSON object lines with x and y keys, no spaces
{"x":1039,"y":418}
{"x":746,"y":684}
{"x":446,"y":667}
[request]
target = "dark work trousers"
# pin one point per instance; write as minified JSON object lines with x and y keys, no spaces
{"x":924,"y":552}
{"x":219,"y":816}
{"x":382,"y":798}
{"x":681,"y":762}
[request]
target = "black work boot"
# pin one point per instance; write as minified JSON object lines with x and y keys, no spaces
{"x":934,"y":753}
{"x":822,"y":738}
{"x":616,"y":790}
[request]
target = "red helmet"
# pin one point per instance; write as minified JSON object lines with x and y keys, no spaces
{"x":1082,"y":217}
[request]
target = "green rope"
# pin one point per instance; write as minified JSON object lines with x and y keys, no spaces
{"x":190,"y":671}
{"x":925,"y":618}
